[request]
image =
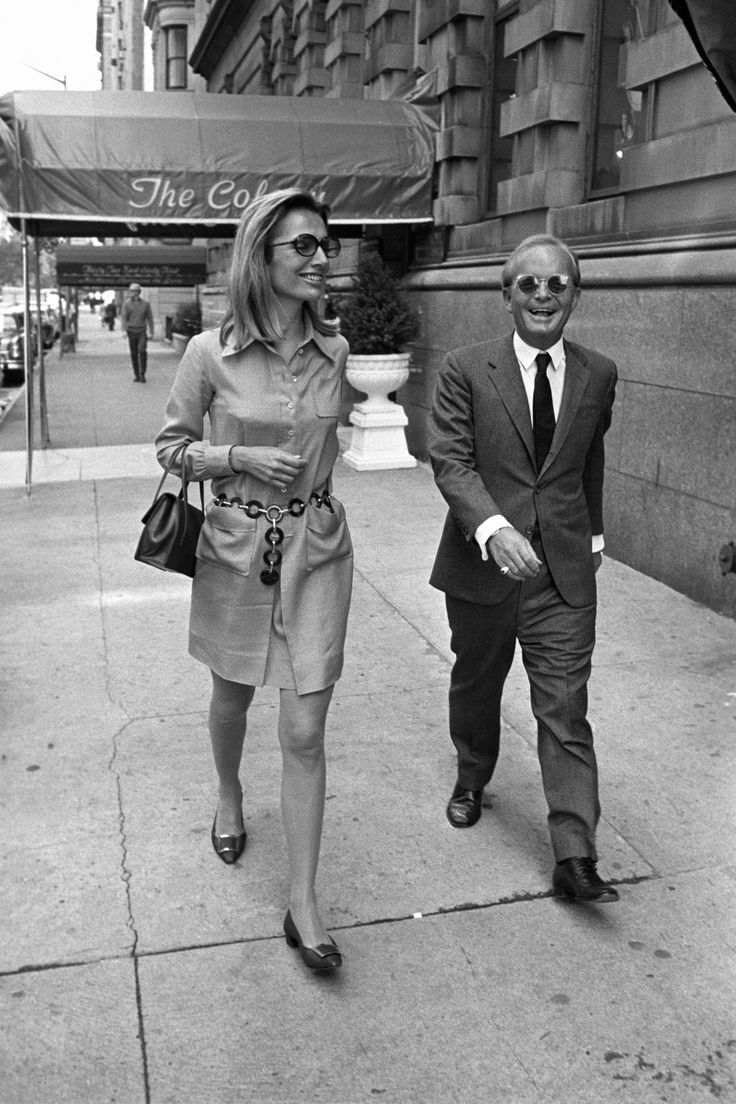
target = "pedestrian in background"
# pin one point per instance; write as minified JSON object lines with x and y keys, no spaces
{"x":109,"y":315}
{"x":517,"y":430}
{"x":270,"y":382}
{"x":136,"y":321}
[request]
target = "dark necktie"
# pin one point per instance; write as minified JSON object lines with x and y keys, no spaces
{"x":544,"y":414}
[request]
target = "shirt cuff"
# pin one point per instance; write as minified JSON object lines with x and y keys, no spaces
{"x":488,"y":529}
{"x":598,"y":543}
{"x":208,"y":461}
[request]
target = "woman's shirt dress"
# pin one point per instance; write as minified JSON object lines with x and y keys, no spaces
{"x":292,"y":633}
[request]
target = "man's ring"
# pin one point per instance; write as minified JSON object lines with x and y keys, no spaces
{"x":505,"y":570}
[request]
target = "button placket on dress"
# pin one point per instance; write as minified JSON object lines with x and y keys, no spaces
{"x":288,"y":406}
{"x":292,"y":407}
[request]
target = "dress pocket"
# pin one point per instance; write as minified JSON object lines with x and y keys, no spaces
{"x":227,"y":539}
{"x":328,"y":537}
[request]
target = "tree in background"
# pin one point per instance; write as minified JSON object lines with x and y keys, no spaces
{"x":11,"y":260}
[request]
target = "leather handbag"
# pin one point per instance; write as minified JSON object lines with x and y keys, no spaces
{"x":171,"y":525}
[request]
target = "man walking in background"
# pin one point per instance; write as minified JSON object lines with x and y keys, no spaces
{"x":516,"y":443}
{"x":136,"y":320}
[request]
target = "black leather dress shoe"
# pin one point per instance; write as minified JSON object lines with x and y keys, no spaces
{"x":463,"y":809}
{"x":578,"y":878}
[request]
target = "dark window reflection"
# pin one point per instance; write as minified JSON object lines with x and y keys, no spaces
{"x":619,"y":115}
{"x":504,"y":88}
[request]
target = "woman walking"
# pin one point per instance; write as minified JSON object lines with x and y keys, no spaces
{"x":272,"y":588}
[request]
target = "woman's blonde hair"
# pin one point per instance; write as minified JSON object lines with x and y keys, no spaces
{"x":253,"y":310}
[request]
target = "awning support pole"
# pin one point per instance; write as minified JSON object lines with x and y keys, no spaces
{"x":39,"y":347}
{"x":27,"y":354}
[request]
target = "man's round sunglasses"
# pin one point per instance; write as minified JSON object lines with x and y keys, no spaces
{"x":307,"y":245}
{"x":529,"y":285}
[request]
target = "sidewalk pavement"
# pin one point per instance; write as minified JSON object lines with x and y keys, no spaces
{"x":138,"y":969}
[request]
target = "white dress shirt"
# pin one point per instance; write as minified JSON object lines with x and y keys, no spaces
{"x":526,"y":355}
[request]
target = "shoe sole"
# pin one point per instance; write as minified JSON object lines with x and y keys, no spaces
{"x":467,"y":824}
{"x":604,"y":898}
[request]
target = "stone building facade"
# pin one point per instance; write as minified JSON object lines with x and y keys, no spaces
{"x":120,"y":45}
{"x":592,"y":119}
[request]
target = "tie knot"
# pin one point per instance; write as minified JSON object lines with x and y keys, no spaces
{"x":543,"y":361}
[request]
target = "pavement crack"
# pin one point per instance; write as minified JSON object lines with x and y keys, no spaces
{"x":125,"y":871}
{"x":127,"y":877}
{"x":107,"y":679}
{"x":399,"y":613}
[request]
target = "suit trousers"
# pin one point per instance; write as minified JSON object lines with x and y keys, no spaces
{"x":556,"y":643}
{"x":138,"y":345}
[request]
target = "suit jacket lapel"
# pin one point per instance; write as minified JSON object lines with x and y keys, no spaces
{"x":577,"y":376}
{"x":505,"y":376}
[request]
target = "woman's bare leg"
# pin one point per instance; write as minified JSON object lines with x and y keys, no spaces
{"x":301,"y":735}
{"x":227,"y":722}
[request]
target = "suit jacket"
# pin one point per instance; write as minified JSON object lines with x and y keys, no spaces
{"x":481,"y":445}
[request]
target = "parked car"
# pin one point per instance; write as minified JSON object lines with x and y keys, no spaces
{"x":12,"y":363}
{"x":49,"y":325}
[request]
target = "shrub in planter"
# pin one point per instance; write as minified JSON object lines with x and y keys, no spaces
{"x":376,"y":318}
{"x":187,"y":318}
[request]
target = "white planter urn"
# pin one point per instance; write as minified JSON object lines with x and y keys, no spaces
{"x":179,"y":342}
{"x":378,"y":439}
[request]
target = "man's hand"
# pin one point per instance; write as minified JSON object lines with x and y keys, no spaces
{"x":270,"y":465}
{"x":597,"y":560}
{"x":510,"y":549}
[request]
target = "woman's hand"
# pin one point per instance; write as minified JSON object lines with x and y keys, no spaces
{"x":269,"y":465}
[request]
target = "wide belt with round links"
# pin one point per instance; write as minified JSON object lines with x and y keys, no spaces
{"x":274,"y":513}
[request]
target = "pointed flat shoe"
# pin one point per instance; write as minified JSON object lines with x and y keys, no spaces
{"x":324,"y":957}
{"x":228,"y":848}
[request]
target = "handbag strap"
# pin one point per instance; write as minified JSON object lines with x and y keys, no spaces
{"x":176,"y":454}
{"x":183,"y":475}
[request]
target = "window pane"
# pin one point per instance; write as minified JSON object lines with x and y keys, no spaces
{"x":176,"y":45}
{"x":619,"y":115}
{"x":504,"y":87}
{"x":176,"y":57}
{"x":176,"y":73}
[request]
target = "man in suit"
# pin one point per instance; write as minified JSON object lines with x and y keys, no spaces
{"x":516,"y":443}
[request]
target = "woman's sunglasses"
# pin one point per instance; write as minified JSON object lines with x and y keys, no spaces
{"x":307,"y":245}
{"x":529,"y":285}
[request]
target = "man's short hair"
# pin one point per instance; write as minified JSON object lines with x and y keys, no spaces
{"x":530,"y":243}
{"x":135,"y":287}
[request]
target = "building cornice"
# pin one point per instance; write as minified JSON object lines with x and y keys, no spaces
{"x":223,"y":22}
